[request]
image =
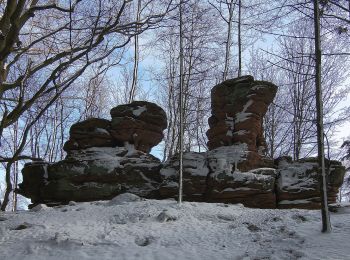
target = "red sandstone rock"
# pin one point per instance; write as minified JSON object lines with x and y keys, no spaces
{"x":227,"y":183}
{"x":238,"y":108}
{"x":298,"y":183}
{"x":92,"y":132}
{"x":92,"y":174}
{"x":195,"y":171}
{"x":140,"y":123}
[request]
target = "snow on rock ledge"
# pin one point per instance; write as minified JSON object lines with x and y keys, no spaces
{"x":92,"y":174}
{"x":255,"y":188}
{"x":298,"y":183}
{"x":195,"y":171}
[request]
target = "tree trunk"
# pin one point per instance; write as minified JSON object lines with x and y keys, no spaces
{"x":228,"y":41}
{"x":8,"y":186}
{"x":239,"y":39}
{"x":326,"y":225}
{"x":136,"y":57}
{"x":181,"y":104}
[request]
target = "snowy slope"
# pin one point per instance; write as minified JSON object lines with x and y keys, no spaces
{"x":132,"y":228}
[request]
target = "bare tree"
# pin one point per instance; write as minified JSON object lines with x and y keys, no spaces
{"x":200,"y":68}
{"x":46,"y":47}
{"x":230,"y":6}
{"x":326,"y":224}
{"x":181,"y":101}
{"x":293,"y":67}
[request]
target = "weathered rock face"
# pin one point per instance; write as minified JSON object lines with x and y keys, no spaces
{"x":238,"y":107}
{"x":226,"y":183}
{"x":253,"y":189}
{"x":213,"y":177}
{"x":195,"y":172}
{"x":140,"y":123}
{"x":92,"y":174}
{"x":298,"y":184}
{"x":93,"y":132}
{"x":34,"y":177}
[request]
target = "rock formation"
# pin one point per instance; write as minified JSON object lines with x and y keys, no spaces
{"x":106,"y":158}
{"x":238,"y":107}
{"x":213,"y":178}
{"x":140,"y":123}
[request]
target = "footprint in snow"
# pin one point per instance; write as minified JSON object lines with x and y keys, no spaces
{"x":167,"y":215}
{"x":274,"y":219}
{"x":293,"y":254}
{"x":117,"y":219}
{"x":251,"y":227}
{"x":290,"y":235}
{"x":144,"y":241}
{"x":338,"y":225}
{"x":299,"y":218}
{"x":226,"y":217}
{"x":25,"y":225}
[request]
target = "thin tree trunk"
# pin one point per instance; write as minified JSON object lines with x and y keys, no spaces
{"x":136,"y":57}
{"x":326,"y":224}
{"x":62,"y":129}
{"x":15,"y":168}
{"x":228,"y":42}
{"x":239,"y":39}
{"x":15,"y":183}
{"x":181,"y":104}
{"x":8,"y":186}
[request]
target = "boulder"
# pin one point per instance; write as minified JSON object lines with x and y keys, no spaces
{"x":92,"y":132}
{"x":94,"y":174}
{"x":298,"y":184}
{"x":195,"y":171}
{"x":139,"y":123}
{"x":238,"y":107}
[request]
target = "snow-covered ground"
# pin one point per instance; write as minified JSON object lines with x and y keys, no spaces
{"x":132,"y":228}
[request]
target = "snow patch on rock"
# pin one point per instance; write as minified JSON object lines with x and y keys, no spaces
{"x":226,"y":158}
{"x":243,"y":115}
{"x":296,"y":176}
{"x":139,"y":110}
